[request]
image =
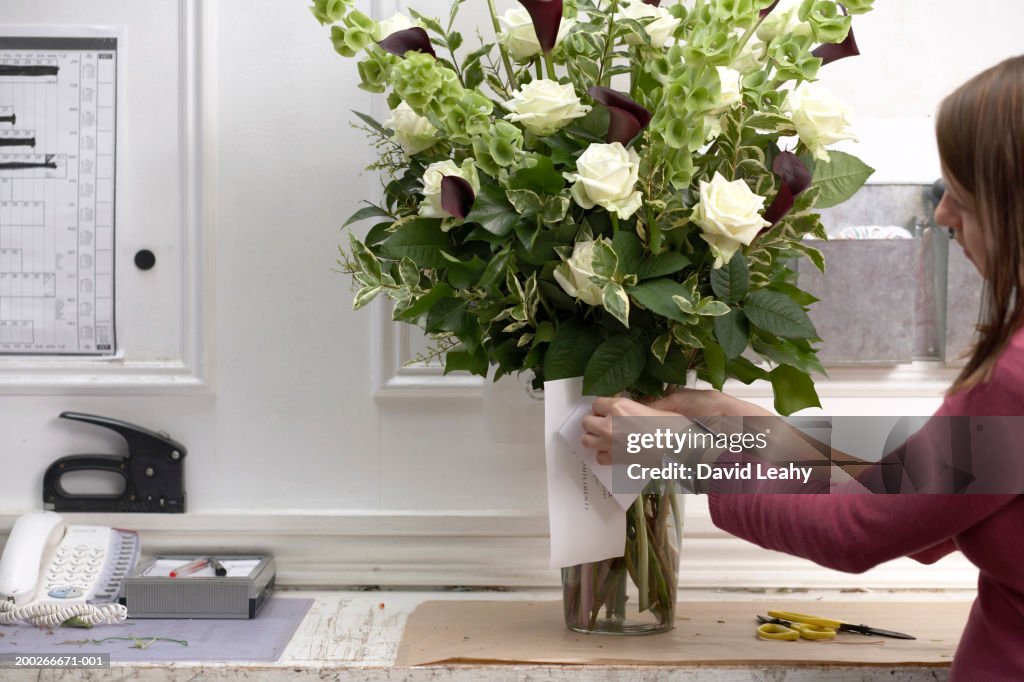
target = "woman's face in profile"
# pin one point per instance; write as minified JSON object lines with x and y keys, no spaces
{"x":956,"y":210}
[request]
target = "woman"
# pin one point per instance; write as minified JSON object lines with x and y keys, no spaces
{"x":980,"y":132}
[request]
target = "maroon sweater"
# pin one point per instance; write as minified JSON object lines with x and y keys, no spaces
{"x":855,"y":532}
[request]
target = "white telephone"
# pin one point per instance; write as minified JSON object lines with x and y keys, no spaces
{"x":51,"y":572}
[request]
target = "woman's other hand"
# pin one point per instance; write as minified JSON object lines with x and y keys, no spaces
{"x":597,"y":426}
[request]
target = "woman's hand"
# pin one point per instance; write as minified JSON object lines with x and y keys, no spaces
{"x":689,"y":402}
{"x":597,"y":426}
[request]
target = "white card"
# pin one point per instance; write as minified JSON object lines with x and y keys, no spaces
{"x":572,"y":432}
{"x":587,"y":523}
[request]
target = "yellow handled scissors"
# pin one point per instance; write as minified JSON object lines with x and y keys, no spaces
{"x":792,"y":620}
{"x":776,"y":628}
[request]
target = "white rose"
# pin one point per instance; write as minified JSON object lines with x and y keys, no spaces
{"x":431,"y":204}
{"x":731,"y":93}
{"x":397,"y":23}
{"x":730,"y":215}
{"x":574,"y":275}
{"x":606,"y":175}
{"x":412,"y":131}
{"x":660,"y":30}
{"x":545,"y":106}
{"x":520,"y":37}
{"x":820,"y":118}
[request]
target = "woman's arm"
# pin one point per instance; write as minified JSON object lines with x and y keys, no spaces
{"x":852,"y":532}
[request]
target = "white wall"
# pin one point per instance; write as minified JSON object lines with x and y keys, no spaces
{"x":302,"y":433}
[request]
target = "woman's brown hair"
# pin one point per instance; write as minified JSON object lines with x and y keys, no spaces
{"x":980,"y":132}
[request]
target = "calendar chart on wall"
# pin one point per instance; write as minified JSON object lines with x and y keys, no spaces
{"x":58,"y":114}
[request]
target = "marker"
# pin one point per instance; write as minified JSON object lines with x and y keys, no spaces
{"x":218,"y":568}
{"x":190,"y":568}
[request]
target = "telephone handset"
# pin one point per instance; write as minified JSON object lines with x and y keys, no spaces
{"x":52,"y":572}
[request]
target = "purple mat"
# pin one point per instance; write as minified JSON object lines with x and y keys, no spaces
{"x":261,"y":639}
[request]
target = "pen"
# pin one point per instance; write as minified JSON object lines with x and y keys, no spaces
{"x":190,"y":568}
{"x":218,"y":568}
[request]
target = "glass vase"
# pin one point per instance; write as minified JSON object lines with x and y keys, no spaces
{"x":634,"y":594}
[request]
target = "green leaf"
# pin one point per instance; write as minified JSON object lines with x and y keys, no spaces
{"x":461,"y":360}
{"x":424,"y":302}
{"x":496,"y":269}
{"x":545,"y":332}
{"x":492,"y":211}
{"x":672,"y":371}
{"x":368,"y":263}
{"x":732,"y":282}
{"x":378,"y":233}
{"x":630,"y":252}
{"x":365,"y":212}
{"x":429,"y":22}
{"x":541,"y":178}
{"x":770,"y":122}
{"x":615,"y":301}
{"x":421,"y":240}
{"x":814,"y":255}
{"x":656,"y":295}
{"x":570,"y":350}
{"x":615,"y":365}
{"x":663,"y":264}
{"x":605,"y":261}
{"x":714,"y":359}
{"x":472,"y":69}
{"x":839,"y":179}
{"x":686,"y":338}
{"x":372,"y":122}
{"x":526,"y":202}
{"x":797,"y":294}
{"x":448,"y":315}
{"x":408,"y":273}
{"x":709,"y":307}
{"x":793,"y":390}
{"x":464,"y":274}
{"x":784,"y":352}
{"x":731,"y":332}
{"x":745,"y":371}
{"x":778,"y":314}
{"x":659,"y":348}
{"x":364,"y":296}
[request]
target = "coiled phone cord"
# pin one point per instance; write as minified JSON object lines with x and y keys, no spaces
{"x":50,"y":614}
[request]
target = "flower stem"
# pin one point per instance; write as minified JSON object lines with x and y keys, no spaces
{"x":643,"y":560}
{"x":501,"y":48}
{"x":550,"y":64}
{"x":615,"y":222}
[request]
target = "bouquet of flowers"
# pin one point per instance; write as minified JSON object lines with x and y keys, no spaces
{"x":612,"y":189}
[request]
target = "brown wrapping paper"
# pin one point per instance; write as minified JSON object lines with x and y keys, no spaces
{"x":706,"y":633}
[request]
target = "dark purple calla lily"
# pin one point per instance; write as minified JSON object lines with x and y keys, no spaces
{"x":457,"y":196}
{"x":782,"y":205}
{"x":792,"y":171}
{"x":768,"y":10}
{"x":413,"y":39}
{"x":627,"y":117}
{"x":547,"y":17}
{"x":656,"y":3}
{"x":795,"y":178}
{"x":830,"y":52}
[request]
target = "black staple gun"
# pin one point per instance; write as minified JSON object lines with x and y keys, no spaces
{"x":153,"y":473}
